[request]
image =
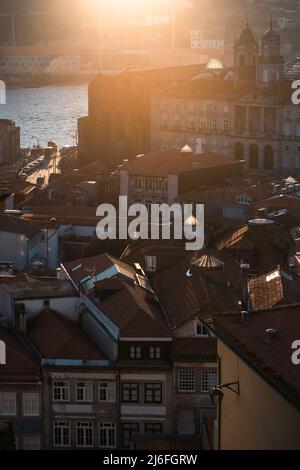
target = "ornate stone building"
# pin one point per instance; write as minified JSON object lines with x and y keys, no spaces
{"x":251,"y":119}
{"x":243,"y":111}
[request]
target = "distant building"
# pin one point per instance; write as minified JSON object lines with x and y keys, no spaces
{"x":199,"y":42}
{"x":162,"y":176}
{"x":34,"y":60}
{"x":9,"y":141}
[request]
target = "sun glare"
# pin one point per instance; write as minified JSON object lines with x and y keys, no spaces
{"x":131,"y":6}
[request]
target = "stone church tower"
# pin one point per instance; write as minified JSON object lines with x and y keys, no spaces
{"x":246,"y":51}
{"x":270,"y":61}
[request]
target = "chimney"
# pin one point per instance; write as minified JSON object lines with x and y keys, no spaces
{"x":23,"y":322}
{"x":262,"y":213}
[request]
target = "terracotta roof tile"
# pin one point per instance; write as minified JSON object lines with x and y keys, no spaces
{"x":21,"y":366}
{"x":55,"y":337}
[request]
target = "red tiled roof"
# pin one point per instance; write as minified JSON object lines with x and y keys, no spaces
{"x":272,"y":360}
{"x":55,"y":337}
{"x":278,"y":202}
{"x":173,"y":161}
{"x":20,"y":365}
{"x":132,"y":309}
{"x":185,"y":297}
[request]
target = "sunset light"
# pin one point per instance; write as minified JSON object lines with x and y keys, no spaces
{"x":149,"y":232}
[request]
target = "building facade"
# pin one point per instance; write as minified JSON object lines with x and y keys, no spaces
{"x":248,"y":114}
{"x":9,"y":141}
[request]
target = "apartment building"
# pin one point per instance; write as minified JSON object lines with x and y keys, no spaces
{"x":21,"y":392}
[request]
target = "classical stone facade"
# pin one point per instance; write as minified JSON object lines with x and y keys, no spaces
{"x":252,"y":119}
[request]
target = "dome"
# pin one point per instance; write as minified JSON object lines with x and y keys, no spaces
{"x":246,"y":39}
{"x":186,"y":149}
{"x":208,"y":262}
{"x":214,"y":64}
{"x":271,"y":35}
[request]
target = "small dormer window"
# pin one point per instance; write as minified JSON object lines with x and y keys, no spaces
{"x":154,"y":352}
{"x":201,"y":330}
{"x":135,"y":352}
{"x":151,"y":263}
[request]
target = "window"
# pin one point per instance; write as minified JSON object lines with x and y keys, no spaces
{"x":226,"y":126}
{"x":186,"y":422}
{"x":201,"y":330}
{"x":8,"y":404}
{"x":164,"y":123}
{"x":202,"y":125}
{"x":154,"y":352}
{"x":43,"y":236}
{"x":209,"y":379}
{"x":84,"y":434}
{"x":130,"y":393}
{"x":214,"y":125}
{"x":107,"y":435}
{"x":61,"y":434}
{"x":128,"y":430}
{"x":153,"y":428}
{"x":61,"y":391}
{"x":32,"y":443}
{"x":177,"y":123}
{"x":107,"y":392}
{"x":153,"y":393}
{"x":135,"y":352}
{"x":186,"y":380}
{"x":31,"y":404}
{"x":84,"y":391}
{"x":47,"y":303}
{"x":192,"y":124}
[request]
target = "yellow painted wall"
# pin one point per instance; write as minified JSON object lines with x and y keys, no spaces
{"x":260,"y":418}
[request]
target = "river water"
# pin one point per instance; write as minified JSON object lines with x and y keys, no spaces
{"x":47,"y":113}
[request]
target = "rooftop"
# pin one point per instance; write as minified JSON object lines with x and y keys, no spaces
{"x":173,"y":161}
{"x":132,"y":308}
{"x":37,"y":289}
{"x":12,"y":224}
{"x":55,"y":337}
{"x":20,"y":365}
{"x":270,"y":359}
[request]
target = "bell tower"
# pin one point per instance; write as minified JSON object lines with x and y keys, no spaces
{"x":245,"y":54}
{"x":270,"y":61}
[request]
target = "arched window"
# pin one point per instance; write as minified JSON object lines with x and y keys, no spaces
{"x":253,"y":156}
{"x":239,"y":151}
{"x":242,"y":60}
{"x":268,"y":157}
